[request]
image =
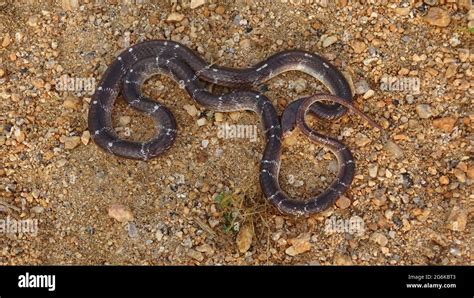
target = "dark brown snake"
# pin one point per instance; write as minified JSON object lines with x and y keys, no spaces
{"x":140,"y":62}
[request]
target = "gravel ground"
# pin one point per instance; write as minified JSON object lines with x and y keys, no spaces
{"x":200,"y":203}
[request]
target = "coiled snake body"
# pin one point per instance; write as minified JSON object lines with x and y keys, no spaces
{"x":141,"y":61}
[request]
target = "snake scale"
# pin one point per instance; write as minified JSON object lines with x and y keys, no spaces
{"x":138,"y":63}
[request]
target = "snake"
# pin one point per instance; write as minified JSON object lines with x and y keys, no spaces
{"x":138,"y":63}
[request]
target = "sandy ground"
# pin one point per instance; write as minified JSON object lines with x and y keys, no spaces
{"x":200,"y":203}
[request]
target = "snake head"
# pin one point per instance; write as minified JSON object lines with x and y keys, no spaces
{"x":288,"y":118}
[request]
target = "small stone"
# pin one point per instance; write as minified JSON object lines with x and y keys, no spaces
{"x":124,"y":120}
{"x":159,"y":235}
{"x":201,"y":121}
{"x":394,"y":149}
{"x":369,"y":94}
{"x":70,"y":103}
{"x":445,"y":124}
{"x":342,"y":259}
{"x":373,"y":170}
{"x":2,"y":73}
{"x":19,"y":135}
{"x":204,"y":143}
{"x":132,"y":230}
{"x":37,"y":209}
{"x":379,"y":238}
{"x":6,"y":40}
{"x":32,"y":21}
{"x":196,"y":3}
{"x":470,"y":172}
{"x":361,"y":139}
{"x":244,"y":238}
{"x":220,"y":10}
{"x":300,"y":85}
{"x":175,"y":17}
{"x":70,"y":142}
{"x":245,"y":44}
{"x":358,"y":46}
{"x":424,"y":111}
{"x":120,"y":213}
{"x":343,"y":202}
{"x":198,"y":256}
{"x":85,"y":137}
{"x":438,"y":17}
{"x":205,"y":248}
{"x":460,"y":175}
{"x":219,"y":117}
{"x":444,"y":180}
{"x":361,"y":87}
{"x":69,"y":4}
{"x":451,"y":70}
{"x":37,"y":83}
{"x":329,"y":40}
{"x":299,"y":245}
{"x":279,"y":222}
{"x":403,"y":11}
{"x":191,"y":110}
{"x":457,"y":219}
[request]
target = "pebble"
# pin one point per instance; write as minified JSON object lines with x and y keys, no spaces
{"x":205,"y":248}
{"x":342,"y":260}
{"x":470,"y":172}
{"x":394,"y":149}
{"x":196,"y":3}
{"x":244,"y":238}
{"x":460,"y":175}
{"x":201,"y":121}
{"x":343,"y":202}
{"x":299,"y":245}
{"x":71,"y":103}
{"x":379,"y":238}
{"x":69,"y":4}
{"x":329,"y":40}
{"x":358,"y":46}
{"x":85,"y":137}
{"x":424,"y":111}
{"x":191,"y":110}
{"x":124,"y":120}
{"x":403,"y":11}
{"x":444,"y":180}
{"x":32,"y":21}
{"x":220,"y":10}
{"x":70,"y":142}
{"x":6,"y":40}
{"x":198,"y":256}
{"x":361,"y":87}
{"x":457,"y":219}
{"x":204,"y":143}
{"x":361,"y":139}
{"x":369,"y":94}
{"x":279,"y":222}
{"x":299,"y":85}
{"x":451,"y":70}
{"x":132,"y":230}
{"x":37,"y":209}
{"x":175,"y":17}
{"x":2,"y":72}
{"x":219,"y":117}
{"x":245,"y":44}
{"x":438,"y":17}
{"x":445,"y":124}
{"x":373,"y":169}
{"x":120,"y":213}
